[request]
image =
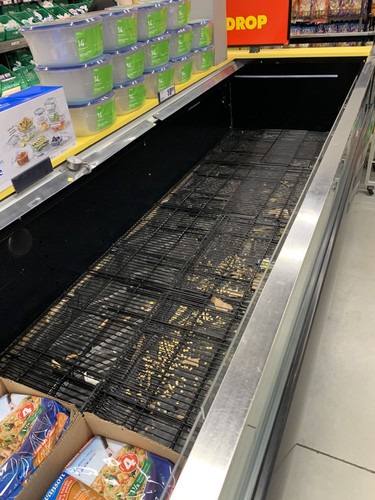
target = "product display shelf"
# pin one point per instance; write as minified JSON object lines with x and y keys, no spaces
{"x":85,"y":142}
{"x":233,"y":54}
{"x":9,"y":45}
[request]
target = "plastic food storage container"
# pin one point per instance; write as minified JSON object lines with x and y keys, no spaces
{"x":202,"y":33}
{"x":119,"y":27}
{"x":158,"y":79}
{"x":93,"y":116}
{"x":128,"y":63}
{"x":152,"y":19}
{"x":157,"y":52}
{"x":83,"y":82}
{"x":203,"y":59}
{"x":130,"y":96}
{"x":183,"y":67}
{"x":180,"y":41}
{"x":178,"y":14}
{"x":65,"y":42}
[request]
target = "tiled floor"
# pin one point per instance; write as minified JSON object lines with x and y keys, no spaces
{"x":328,"y":447}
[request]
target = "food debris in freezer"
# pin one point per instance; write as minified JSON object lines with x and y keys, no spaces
{"x":141,"y":336}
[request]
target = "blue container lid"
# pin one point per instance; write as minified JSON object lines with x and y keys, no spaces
{"x":150,"y":5}
{"x":137,"y":81}
{"x":160,"y":38}
{"x":103,"y":59}
{"x":61,"y":23}
{"x":183,"y":29}
{"x":186,"y":57}
{"x":200,"y":22}
{"x":157,"y":70}
{"x":204,"y":49}
{"x":114,"y":11}
{"x":123,"y":50}
{"x":102,"y":99}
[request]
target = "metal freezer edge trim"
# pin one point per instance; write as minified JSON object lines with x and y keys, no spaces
{"x":214,"y":450}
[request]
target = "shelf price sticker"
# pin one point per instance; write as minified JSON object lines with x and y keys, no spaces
{"x":167,"y":93}
{"x":258,"y":22}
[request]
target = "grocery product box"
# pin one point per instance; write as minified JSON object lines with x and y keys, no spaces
{"x":121,"y":463}
{"x":50,"y":465}
{"x":35,"y":124}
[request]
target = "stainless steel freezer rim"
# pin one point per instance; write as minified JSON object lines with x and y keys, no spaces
{"x":227,"y":455}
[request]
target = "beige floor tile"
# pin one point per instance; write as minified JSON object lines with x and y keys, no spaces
{"x":333,"y":408}
{"x":307,"y":475}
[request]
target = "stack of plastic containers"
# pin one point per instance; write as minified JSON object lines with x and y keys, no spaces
{"x":152,"y":27}
{"x":128,"y":57}
{"x":202,"y":48}
{"x":181,"y":39}
{"x":70,"y":53}
{"x":110,"y":61}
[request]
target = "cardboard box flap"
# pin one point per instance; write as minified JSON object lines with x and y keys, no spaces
{"x":100,"y":427}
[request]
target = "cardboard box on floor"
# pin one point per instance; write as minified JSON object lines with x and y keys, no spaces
{"x":88,"y":426}
{"x":51,"y":467}
{"x":81,"y":430}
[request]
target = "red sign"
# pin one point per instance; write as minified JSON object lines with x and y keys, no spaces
{"x":258,"y":22}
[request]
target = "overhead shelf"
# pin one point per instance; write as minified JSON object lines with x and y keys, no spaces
{"x":9,"y":45}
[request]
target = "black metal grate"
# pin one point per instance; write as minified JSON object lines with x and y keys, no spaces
{"x":139,"y":338}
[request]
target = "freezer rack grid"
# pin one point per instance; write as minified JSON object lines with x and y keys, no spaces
{"x":139,"y":338}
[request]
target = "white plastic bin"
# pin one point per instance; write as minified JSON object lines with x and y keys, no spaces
{"x":83,"y":82}
{"x":94,"y":116}
{"x":178,"y":13}
{"x":152,"y":19}
{"x":157,"y":80}
{"x":65,"y":42}
{"x":183,"y":68}
{"x":203,"y":59}
{"x":130,"y":96}
{"x":128,"y":63}
{"x":181,"y":41}
{"x":119,"y":27}
{"x":157,"y":52}
{"x":202,"y":33}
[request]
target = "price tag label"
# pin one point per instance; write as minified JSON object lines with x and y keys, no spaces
{"x":166,"y":93}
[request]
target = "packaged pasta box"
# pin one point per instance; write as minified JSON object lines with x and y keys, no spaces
{"x":30,"y":426}
{"x":114,"y":471}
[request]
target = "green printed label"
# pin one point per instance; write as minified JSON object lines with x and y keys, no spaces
{"x":135,"y":64}
{"x":184,"y":13}
{"x":30,"y":421}
{"x":140,"y":479}
{"x":186,"y":70}
{"x":102,"y":79}
{"x":184,"y":43}
{"x":159,"y":53}
{"x":205,"y":36}
{"x":105,"y":115}
{"x":165,"y":79}
{"x":137,"y":96}
{"x":157,"y":22}
{"x":126,"y":31}
{"x":89,"y":42}
{"x":206,"y":60}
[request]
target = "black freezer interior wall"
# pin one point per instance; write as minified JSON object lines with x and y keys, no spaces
{"x":42,"y":254}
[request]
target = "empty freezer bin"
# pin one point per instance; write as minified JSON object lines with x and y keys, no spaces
{"x":160,"y":255}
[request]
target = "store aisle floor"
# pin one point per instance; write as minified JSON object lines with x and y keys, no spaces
{"x":328,"y":447}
